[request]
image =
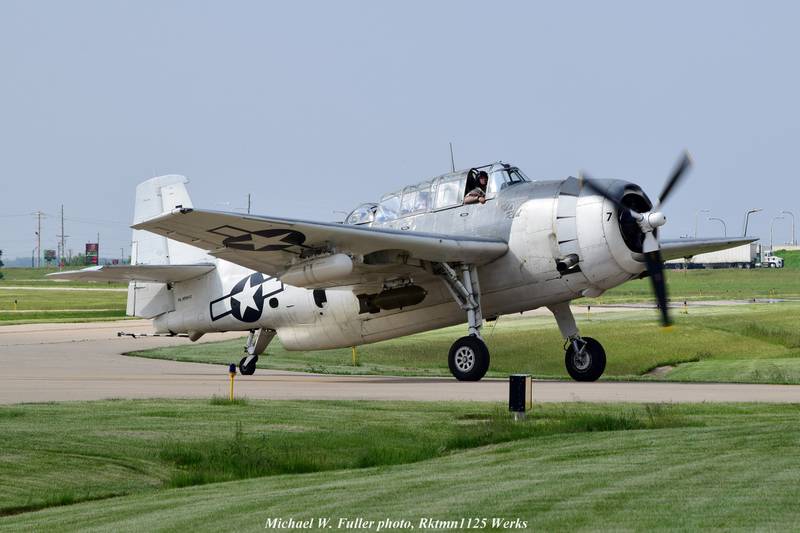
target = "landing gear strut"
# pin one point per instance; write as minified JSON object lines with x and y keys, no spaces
{"x":257,"y":342}
{"x":469,"y":357}
{"x":585,"y":358}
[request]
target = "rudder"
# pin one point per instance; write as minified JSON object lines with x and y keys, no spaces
{"x":155,"y":196}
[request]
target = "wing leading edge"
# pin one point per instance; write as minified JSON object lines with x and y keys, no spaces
{"x":680,"y":248}
{"x":273,"y":245}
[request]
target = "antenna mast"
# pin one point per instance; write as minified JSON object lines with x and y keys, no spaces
{"x":452,"y":159}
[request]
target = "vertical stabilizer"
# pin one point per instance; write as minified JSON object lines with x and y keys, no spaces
{"x":154,"y":197}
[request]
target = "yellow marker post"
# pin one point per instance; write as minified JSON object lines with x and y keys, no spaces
{"x":232,"y":372}
{"x":588,"y":312}
{"x":685,"y":308}
{"x":15,"y":305}
{"x":355,"y":357}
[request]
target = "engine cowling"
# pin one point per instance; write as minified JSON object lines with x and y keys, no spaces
{"x":607,"y":243}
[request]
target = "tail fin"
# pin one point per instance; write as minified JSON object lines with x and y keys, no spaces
{"x":154,"y":197}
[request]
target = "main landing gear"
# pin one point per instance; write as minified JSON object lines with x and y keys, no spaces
{"x":257,"y":342}
{"x":585,"y":358}
{"x":469,"y":357}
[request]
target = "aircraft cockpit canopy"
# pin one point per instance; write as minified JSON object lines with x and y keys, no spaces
{"x":444,"y":192}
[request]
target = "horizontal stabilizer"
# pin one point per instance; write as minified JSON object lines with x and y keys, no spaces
{"x":680,"y":248}
{"x":154,"y":273}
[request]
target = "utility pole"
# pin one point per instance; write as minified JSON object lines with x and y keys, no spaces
{"x":63,"y":251}
{"x":248,"y":203}
{"x":39,"y":215}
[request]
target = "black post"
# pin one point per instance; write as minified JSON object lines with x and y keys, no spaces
{"x":520,"y":395}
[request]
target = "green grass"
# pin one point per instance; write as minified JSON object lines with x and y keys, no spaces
{"x":570,"y":466}
{"x":711,"y":284}
{"x":633,"y":342}
{"x":37,"y":277}
{"x":25,"y":303}
{"x":791,"y":258}
{"x":44,"y":300}
{"x":90,"y":450}
{"x":781,"y":371}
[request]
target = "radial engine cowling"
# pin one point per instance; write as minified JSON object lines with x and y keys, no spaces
{"x":607,"y":242}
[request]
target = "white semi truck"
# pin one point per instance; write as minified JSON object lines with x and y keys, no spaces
{"x":744,"y":256}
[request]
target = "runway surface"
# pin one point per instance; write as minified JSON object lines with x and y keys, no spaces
{"x":60,"y":362}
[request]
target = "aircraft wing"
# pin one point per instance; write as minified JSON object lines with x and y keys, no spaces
{"x":154,"y":273}
{"x":680,"y":248}
{"x":273,"y":245}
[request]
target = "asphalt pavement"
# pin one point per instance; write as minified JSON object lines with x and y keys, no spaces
{"x":67,"y":362}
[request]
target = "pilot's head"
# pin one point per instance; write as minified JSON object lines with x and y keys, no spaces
{"x":483,"y":178}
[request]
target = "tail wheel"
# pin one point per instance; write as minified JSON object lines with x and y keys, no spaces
{"x":248,"y":368}
{"x":468,"y":359}
{"x":587,"y":363}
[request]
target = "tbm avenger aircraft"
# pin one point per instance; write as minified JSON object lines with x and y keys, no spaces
{"x":418,"y":260}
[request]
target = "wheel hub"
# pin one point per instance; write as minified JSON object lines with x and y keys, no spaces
{"x":582,"y":359}
{"x":465,"y":359}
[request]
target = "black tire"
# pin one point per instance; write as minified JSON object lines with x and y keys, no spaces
{"x":589,"y":366}
{"x":249,"y":369}
{"x":468,"y":359}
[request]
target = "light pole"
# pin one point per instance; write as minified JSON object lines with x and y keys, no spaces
{"x":794,"y":241}
{"x":724,"y":227}
{"x":771,"y":227}
{"x":695,"y":219}
{"x":747,"y":218}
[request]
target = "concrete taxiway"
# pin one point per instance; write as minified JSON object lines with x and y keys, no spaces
{"x":62,"y":362}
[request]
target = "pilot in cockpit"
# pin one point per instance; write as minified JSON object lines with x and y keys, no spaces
{"x":478,"y":194}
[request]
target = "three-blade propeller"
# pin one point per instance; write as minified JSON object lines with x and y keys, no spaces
{"x":649,"y":222}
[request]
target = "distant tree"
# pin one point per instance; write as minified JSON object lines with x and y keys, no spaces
{"x":1,"y":263}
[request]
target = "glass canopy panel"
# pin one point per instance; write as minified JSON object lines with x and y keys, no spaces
{"x":450,"y":192}
{"x":389,"y":208}
{"x":409,"y":202}
{"x":363,"y":214}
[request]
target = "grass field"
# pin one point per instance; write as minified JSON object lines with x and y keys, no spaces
{"x":211,"y":466}
{"x":39,"y":299}
{"x":791,"y":258}
{"x":749,"y":340}
{"x":37,"y":277}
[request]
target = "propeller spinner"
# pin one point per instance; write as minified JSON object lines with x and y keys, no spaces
{"x":649,"y":222}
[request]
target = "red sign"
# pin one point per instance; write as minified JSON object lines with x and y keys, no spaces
{"x":92,"y":253}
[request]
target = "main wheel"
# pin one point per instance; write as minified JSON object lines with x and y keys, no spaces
{"x":468,"y":359}
{"x":587,"y":364}
{"x":248,"y":369}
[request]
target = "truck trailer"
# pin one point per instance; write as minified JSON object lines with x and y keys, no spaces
{"x":748,"y":255}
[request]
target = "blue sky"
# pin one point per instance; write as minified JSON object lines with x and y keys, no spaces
{"x":316,"y":107}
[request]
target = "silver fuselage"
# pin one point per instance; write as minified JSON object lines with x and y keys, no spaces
{"x":542,"y":222}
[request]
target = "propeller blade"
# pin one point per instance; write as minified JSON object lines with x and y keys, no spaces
{"x":680,"y":170}
{"x":651,"y":243}
{"x":591,"y":185}
{"x":655,"y":267}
